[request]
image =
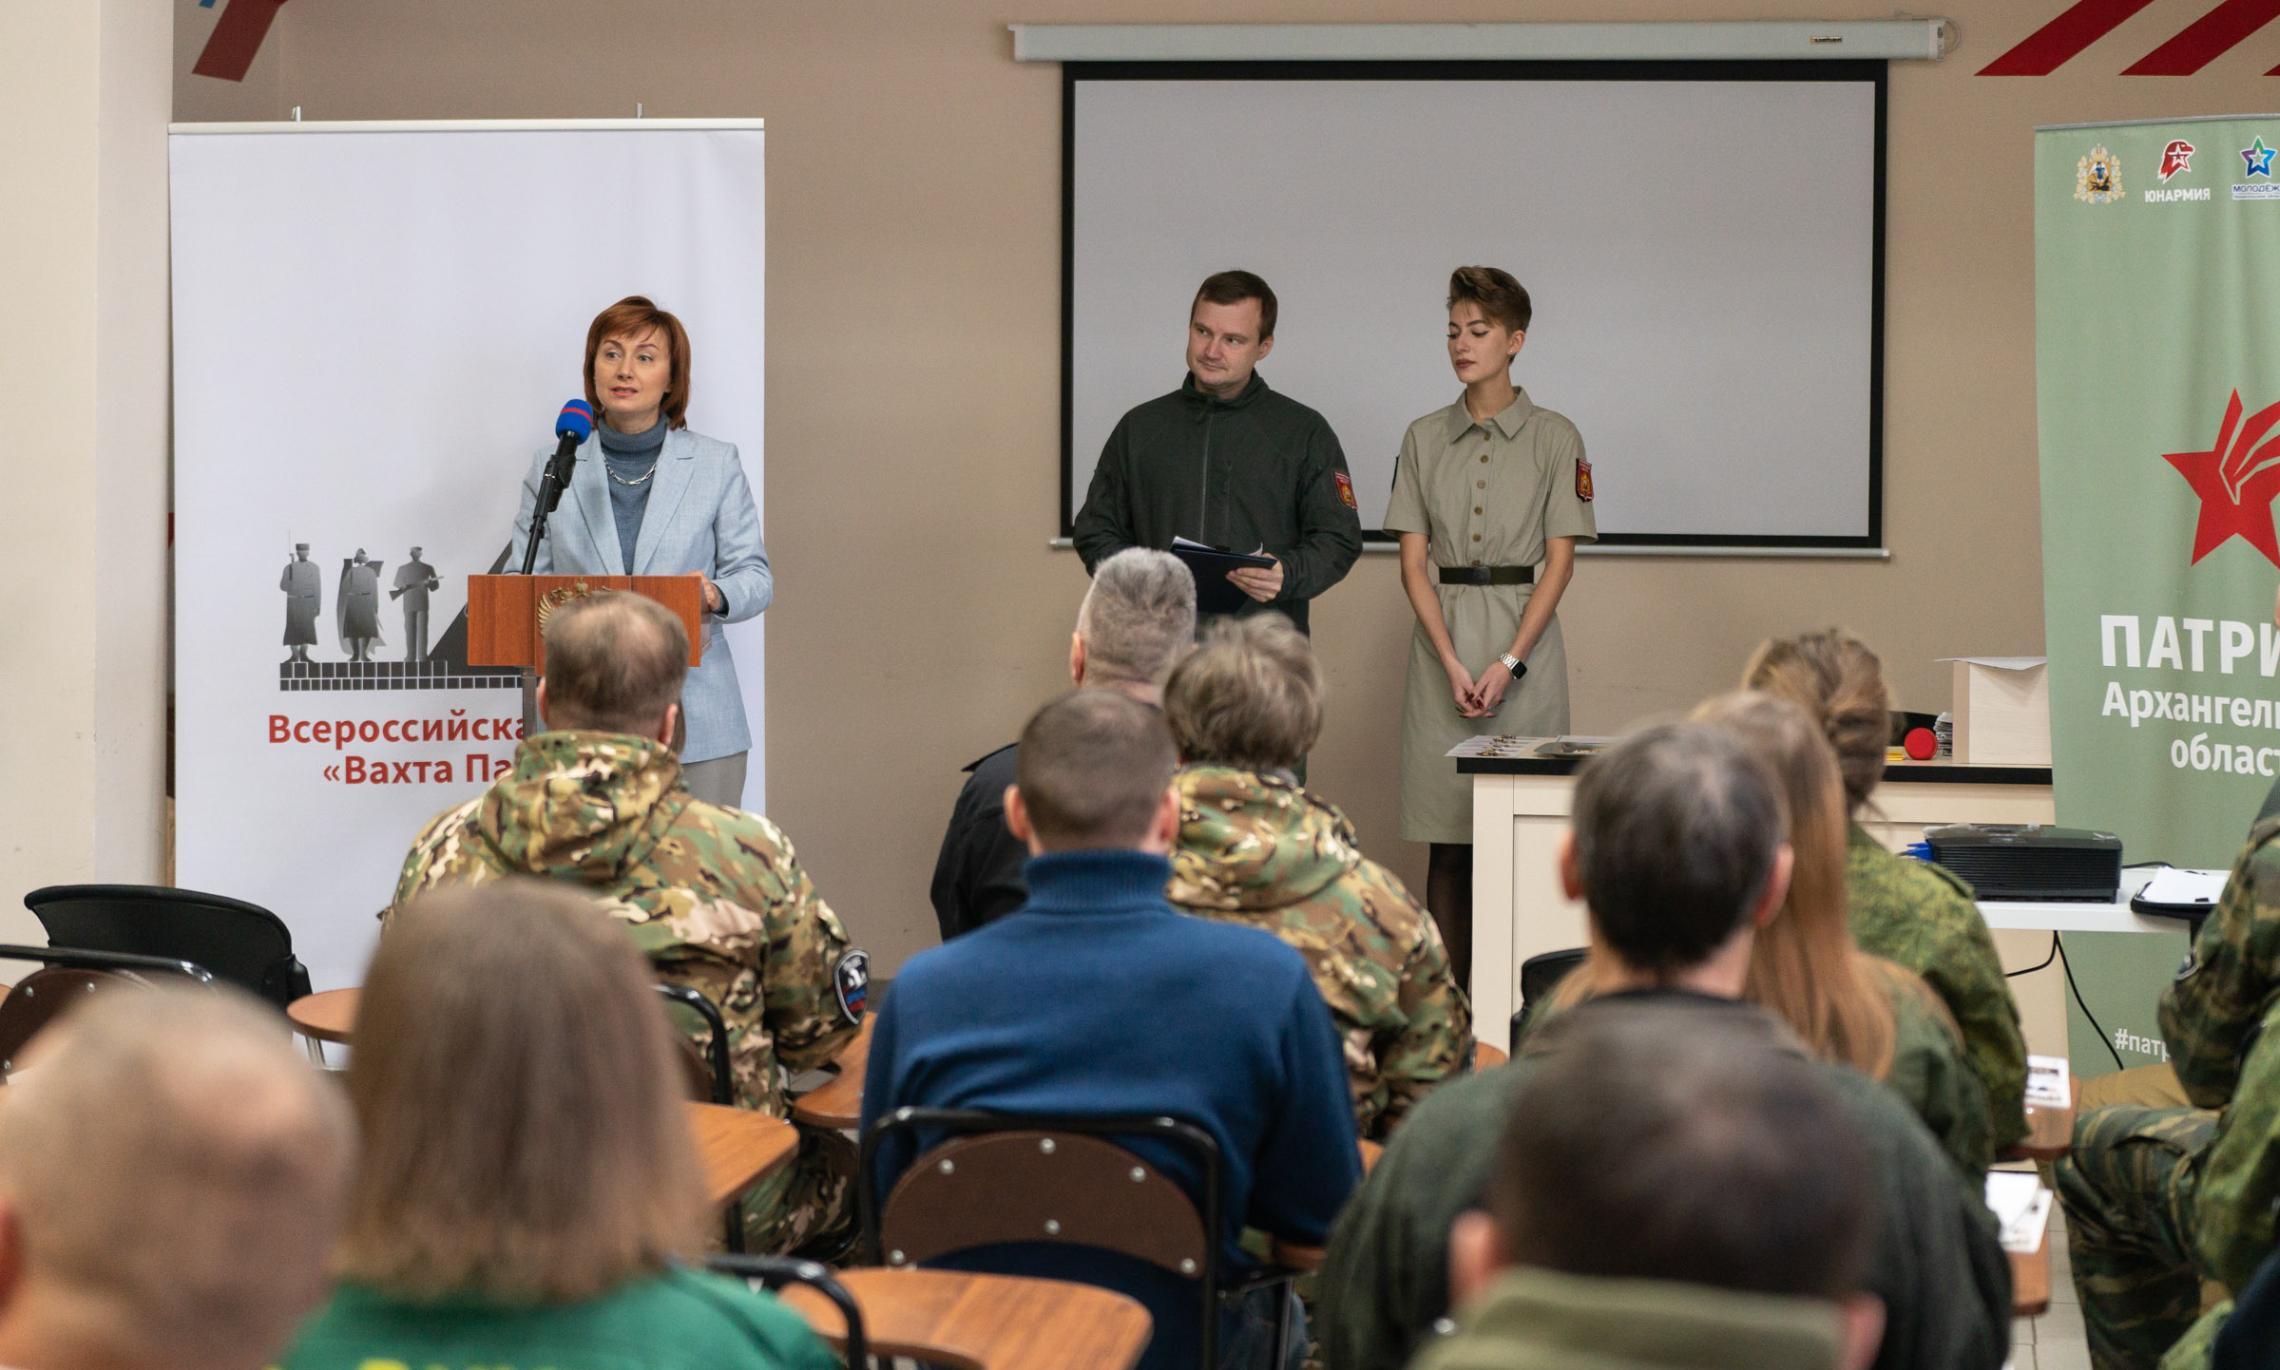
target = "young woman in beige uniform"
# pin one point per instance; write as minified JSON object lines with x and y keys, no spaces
{"x":1485,"y":493}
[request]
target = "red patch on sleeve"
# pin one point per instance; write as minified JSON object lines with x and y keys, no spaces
{"x":1583,"y":480}
{"x":1346,"y":488}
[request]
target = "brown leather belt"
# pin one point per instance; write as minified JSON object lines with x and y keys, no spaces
{"x":1488,"y":575}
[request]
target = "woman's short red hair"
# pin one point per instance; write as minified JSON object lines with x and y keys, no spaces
{"x":631,"y":318}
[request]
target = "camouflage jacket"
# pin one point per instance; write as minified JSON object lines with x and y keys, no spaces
{"x":1922,"y":917}
{"x":1258,"y":850}
{"x":713,"y":896}
{"x":1929,"y":1071}
{"x":2221,"y":1019}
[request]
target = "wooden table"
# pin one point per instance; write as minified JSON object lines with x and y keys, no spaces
{"x":738,"y":1148}
{"x":2050,"y":1131}
{"x":2030,"y":1280}
{"x":984,"y":1322}
{"x":326,"y":1016}
{"x":838,"y":1104}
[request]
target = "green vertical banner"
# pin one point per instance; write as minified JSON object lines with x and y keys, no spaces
{"x":2157,"y":359}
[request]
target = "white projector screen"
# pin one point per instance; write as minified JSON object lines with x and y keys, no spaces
{"x":1702,"y":243}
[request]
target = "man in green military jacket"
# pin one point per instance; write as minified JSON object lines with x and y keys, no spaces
{"x":714,"y":896}
{"x":2159,"y":1200}
{"x":1258,"y":848}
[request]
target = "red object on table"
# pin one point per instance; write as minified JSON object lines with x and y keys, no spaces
{"x":1920,"y":744}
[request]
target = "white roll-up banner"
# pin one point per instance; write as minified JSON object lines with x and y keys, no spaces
{"x":374,"y":328}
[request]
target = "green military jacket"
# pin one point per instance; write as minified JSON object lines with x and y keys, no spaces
{"x":714,"y":897}
{"x":1258,"y":850}
{"x":2221,"y":1019}
{"x":1930,"y":1072}
{"x":1935,"y":1260}
{"x":1546,"y":1320}
{"x":1922,"y":916}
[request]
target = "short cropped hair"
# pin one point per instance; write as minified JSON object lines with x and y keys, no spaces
{"x":521,"y":1099}
{"x":1249,"y":697}
{"x":1501,"y":298}
{"x":1092,"y":768}
{"x":1676,"y":831}
{"x":1234,"y":287}
{"x":630,"y":318}
{"x":614,"y":662}
{"x":1636,"y":1151}
{"x":189,"y":1109}
{"x":1137,"y":618}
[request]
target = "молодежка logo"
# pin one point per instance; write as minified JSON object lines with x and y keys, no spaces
{"x":2236,"y":480}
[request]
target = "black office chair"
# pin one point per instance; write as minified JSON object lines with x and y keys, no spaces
{"x":994,"y":1179}
{"x":708,"y":1065}
{"x":66,"y":977}
{"x":242,"y":944}
{"x":1539,"y":976}
{"x":774,"y":1272}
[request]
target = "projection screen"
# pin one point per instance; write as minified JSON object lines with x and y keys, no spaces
{"x":1702,"y":242}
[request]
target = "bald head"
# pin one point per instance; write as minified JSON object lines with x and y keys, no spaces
{"x":614,"y":664}
{"x":172,"y":1175}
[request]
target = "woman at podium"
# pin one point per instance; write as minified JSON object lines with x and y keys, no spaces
{"x":1490,"y":497}
{"x":650,"y":496}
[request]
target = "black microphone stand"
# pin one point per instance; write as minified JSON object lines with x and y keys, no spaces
{"x":549,"y":495}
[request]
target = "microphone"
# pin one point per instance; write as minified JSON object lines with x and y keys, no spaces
{"x":572,"y":426}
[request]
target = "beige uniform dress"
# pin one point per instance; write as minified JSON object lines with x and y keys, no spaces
{"x":1483,"y":494}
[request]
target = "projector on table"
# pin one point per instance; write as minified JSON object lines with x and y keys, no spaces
{"x":2031,"y":862}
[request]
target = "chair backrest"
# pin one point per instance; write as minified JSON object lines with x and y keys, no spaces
{"x":710,"y":1079}
{"x":774,"y":1272}
{"x":69,"y":977}
{"x":1539,"y":976}
{"x":987,"y":1179}
{"x":242,"y":944}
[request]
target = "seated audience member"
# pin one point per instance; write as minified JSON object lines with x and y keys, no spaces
{"x":1135,"y":621}
{"x":715,"y":897}
{"x":529,"y":1187}
{"x":2159,"y":1200}
{"x":1257,"y":848}
{"x":171,"y":1176}
{"x":1845,"y":1005}
{"x":1667,"y":1200}
{"x":1675,"y":851}
{"x":1098,"y":998}
{"x":1913,"y":913}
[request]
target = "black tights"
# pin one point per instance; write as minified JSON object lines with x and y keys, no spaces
{"x":1448,"y":894}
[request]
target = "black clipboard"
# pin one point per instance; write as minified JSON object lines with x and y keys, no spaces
{"x":1214,"y":592}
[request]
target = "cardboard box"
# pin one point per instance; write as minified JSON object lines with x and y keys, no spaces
{"x":2002,"y":710}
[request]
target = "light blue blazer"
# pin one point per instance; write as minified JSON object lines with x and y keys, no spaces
{"x":700,"y":517}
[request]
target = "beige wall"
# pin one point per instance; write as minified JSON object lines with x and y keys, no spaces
{"x":83,"y":535}
{"x":913,"y":239}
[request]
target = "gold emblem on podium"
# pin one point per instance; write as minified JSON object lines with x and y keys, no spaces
{"x":559,"y":596}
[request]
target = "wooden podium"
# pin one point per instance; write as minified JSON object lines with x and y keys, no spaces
{"x":506,"y":615}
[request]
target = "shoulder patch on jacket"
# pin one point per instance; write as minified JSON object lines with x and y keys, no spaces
{"x":851,"y":979}
{"x":1582,"y":480}
{"x":1346,"y":488}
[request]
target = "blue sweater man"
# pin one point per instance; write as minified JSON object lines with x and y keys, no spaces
{"x":1099,"y":998}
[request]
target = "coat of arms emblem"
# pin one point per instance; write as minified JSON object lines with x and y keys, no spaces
{"x":2098,"y":178}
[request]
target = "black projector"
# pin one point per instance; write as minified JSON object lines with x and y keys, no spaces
{"x":2028,"y":862}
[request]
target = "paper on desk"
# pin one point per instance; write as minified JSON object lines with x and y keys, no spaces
{"x":2047,"y":1085}
{"x":2181,"y":888}
{"x":2021,"y":1205}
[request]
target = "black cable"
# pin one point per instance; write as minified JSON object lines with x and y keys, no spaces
{"x":2014,"y":974}
{"x":2079,"y":1002}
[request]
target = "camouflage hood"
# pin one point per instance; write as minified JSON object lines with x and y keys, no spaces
{"x":581,"y":806}
{"x":1252,"y":841}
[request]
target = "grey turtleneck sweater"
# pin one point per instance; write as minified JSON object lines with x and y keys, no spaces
{"x":631,"y":456}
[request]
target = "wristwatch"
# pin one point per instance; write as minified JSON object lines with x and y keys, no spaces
{"x":1515,"y":665}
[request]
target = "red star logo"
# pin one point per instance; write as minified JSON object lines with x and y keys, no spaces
{"x":2236,"y":480}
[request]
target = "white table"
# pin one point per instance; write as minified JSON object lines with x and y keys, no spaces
{"x":1520,"y":809}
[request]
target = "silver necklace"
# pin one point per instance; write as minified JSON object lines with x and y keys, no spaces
{"x":642,"y":479}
